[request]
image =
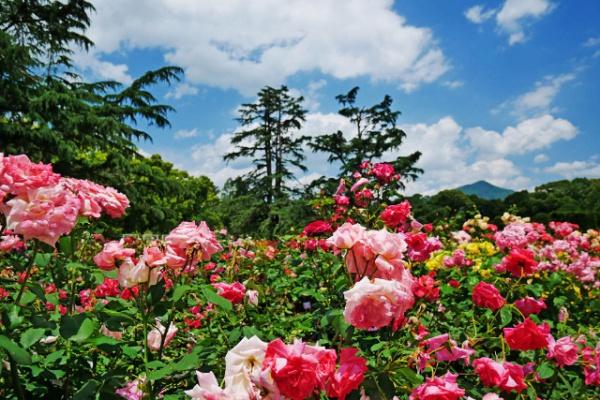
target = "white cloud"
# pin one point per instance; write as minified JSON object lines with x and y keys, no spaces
{"x":540,"y":98}
{"x":310,"y":93}
{"x":514,"y":13}
{"x":477,"y":15}
{"x":528,"y":135}
{"x":512,"y":17}
{"x":592,"y":42}
{"x":88,"y":63}
{"x":180,"y":90}
{"x":453,"y":84}
{"x":234,"y":44}
{"x":575,"y":169}
{"x":540,"y":158}
{"x":186,"y":133}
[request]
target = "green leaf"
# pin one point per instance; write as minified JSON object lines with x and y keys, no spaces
{"x":545,"y":370}
{"x":180,"y":291}
{"x":65,"y":245}
{"x":31,"y":336}
{"x":187,"y":362}
{"x":87,"y":328}
{"x":409,"y":375}
{"x":213,"y":297}
{"x":20,"y":355}
{"x":87,"y":391}
{"x":42,"y":259}
{"x":160,"y":373}
{"x":505,"y":315}
{"x":156,"y":292}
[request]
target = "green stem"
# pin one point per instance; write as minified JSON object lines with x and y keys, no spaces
{"x":27,"y":272}
{"x":14,"y":372}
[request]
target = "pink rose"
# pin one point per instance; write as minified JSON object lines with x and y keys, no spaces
{"x":347,"y":235}
{"x":19,"y":176}
{"x":188,"y":236}
{"x":132,"y":390}
{"x":564,"y":351}
{"x":529,"y":305}
{"x":112,"y":252}
{"x":383,"y":172}
{"x":130,"y":274}
{"x":44,"y":214}
{"x":438,"y":388}
{"x":375,"y":304}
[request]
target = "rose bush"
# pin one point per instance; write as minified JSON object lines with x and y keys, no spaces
{"x":366,"y":302}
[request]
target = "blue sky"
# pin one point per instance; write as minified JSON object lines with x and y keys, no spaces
{"x":505,"y":90}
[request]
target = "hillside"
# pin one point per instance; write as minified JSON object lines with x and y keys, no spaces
{"x":485,"y":190}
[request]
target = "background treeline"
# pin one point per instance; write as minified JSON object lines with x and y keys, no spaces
{"x":90,"y":129}
{"x":577,"y":201}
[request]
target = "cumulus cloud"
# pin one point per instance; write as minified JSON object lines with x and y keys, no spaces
{"x":528,"y":135}
{"x":512,"y":17}
{"x":539,"y":99}
{"x":234,"y":44}
{"x":478,"y":15}
{"x":575,"y":169}
{"x":540,"y":158}
{"x":89,"y":64}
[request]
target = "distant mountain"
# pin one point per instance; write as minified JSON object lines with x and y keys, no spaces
{"x":485,"y":190}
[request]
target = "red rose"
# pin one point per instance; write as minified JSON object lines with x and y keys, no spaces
{"x":234,"y":292}
{"x":349,"y":375}
{"x":383,"y":172}
{"x":487,"y":295}
{"x":318,"y":227}
{"x":527,"y":336}
{"x":519,"y":263}
{"x":396,"y":214}
{"x":491,"y":373}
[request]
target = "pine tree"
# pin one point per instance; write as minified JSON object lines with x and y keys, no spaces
{"x":271,"y":138}
{"x":376,"y":133}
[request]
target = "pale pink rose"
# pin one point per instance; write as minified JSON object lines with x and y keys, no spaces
{"x":243,"y":366}
{"x":347,"y":235}
{"x":389,"y":248}
{"x":132,"y":390}
{"x":155,"y":336}
{"x":207,"y":388}
{"x":341,"y":188}
{"x":113,"y":334}
{"x":190,"y":236}
{"x":358,"y":184}
{"x":377,"y":303}
{"x":461,"y":237}
{"x":252,"y":296}
{"x":44,"y":214}
{"x":96,"y":198}
{"x":564,"y":351}
{"x":154,"y":256}
{"x":131,"y":274}
{"x":112,"y":252}
{"x":19,"y":176}
{"x":491,"y":396}
{"x":175,"y":257}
